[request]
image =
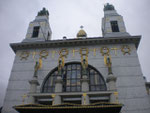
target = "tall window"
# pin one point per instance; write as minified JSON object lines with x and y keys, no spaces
{"x":48,"y":36}
{"x":114,"y":26}
{"x":72,"y":79}
{"x":35,"y":31}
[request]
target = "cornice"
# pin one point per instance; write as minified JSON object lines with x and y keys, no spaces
{"x":76,"y":42}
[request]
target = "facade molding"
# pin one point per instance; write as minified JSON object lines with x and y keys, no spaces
{"x":76,"y":42}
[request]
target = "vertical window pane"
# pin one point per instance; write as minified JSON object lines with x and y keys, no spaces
{"x":78,"y":88}
{"x":68,"y":82}
{"x":67,"y":88}
{"x":78,"y":74}
{"x":69,"y":67}
{"x":35,"y":31}
{"x":114,"y":26}
{"x":73,"y":88}
{"x":68,"y":74}
{"x":73,"y":82}
{"x":73,"y":74}
{"x":92,"y":79}
{"x":73,"y":66}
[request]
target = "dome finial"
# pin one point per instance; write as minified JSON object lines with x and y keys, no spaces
{"x":81,"y":33}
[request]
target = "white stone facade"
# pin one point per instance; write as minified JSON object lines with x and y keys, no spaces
{"x":130,"y":82}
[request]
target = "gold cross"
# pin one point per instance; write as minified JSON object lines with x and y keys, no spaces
{"x":115,"y":49}
{"x":33,"y":55}
{"x":53,"y":53}
{"x":94,"y":51}
{"x":73,"y":51}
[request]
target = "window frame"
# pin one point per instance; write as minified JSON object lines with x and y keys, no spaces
{"x":114,"y":26}
{"x":102,"y":86}
{"x":36,"y":30}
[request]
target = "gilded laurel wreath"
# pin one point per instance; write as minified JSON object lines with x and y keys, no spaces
{"x":104,"y":51}
{"x":43,"y":54}
{"x":126,"y":49}
{"x":24,"y":55}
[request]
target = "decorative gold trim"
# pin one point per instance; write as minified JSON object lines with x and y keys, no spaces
{"x":102,"y":51}
{"x":53,"y":96}
{"x":109,"y":103}
{"x":33,"y":54}
{"x":53,"y":53}
{"x":78,"y":107}
{"x":126,"y":49}
{"x":116,"y":93}
{"x":86,"y":50}
{"x":63,"y":52}
{"x":84,"y":98}
{"x":115,"y":49}
{"x":105,"y":60}
{"x":94,"y":51}
{"x":23,"y":98}
{"x":73,"y":51}
{"x":43,"y":54}
{"x":24,"y":55}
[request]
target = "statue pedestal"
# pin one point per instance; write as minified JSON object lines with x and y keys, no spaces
{"x":58,"y":89}
{"x":85,"y":83}
{"x":85,"y":88}
{"x":111,"y":80}
{"x":33,"y":88}
{"x":56,"y":100}
{"x":58,"y":84}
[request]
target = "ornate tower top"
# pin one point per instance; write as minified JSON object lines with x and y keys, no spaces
{"x":113,"y":23}
{"x":43,"y":12}
{"x":108,"y":7}
{"x":39,"y":29}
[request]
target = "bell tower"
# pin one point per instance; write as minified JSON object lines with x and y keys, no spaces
{"x":113,"y":23}
{"x":39,"y":29}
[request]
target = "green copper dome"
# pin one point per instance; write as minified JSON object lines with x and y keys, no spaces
{"x":108,"y":7}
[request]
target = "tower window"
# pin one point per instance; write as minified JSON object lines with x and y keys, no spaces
{"x":114,"y":26}
{"x":35,"y":31}
{"x":48,"y":36}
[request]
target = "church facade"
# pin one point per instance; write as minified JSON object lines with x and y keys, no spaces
{"x":90,"y":74}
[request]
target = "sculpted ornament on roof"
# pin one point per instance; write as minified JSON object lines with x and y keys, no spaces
{"x":108,"y":7}
{"x":43,"y":12}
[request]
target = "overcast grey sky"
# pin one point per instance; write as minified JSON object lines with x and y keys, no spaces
{"x":66,"y":16}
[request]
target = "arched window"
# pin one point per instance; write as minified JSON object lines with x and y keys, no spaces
{"x":72,"y":79}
